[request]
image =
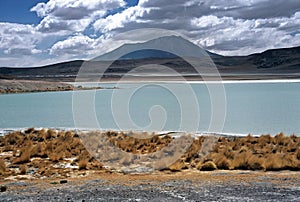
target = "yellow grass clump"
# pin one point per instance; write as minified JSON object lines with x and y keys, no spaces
{"x":25,"y":156}
{"x":268,"y":153}
{"x":23,"y":169}
{"x":82,"y":164}
{"x":207,"y":166}
{"x":2,"y":167}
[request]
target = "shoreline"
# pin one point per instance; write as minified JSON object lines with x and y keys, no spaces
{"x":4,"y":131}
{"x":36,"y":86}
{"x":32,"y":86}
{"x":193,"y":82}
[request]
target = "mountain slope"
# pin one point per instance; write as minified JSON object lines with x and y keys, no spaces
{"x":163,"y":47}
{"x":280,"y":62}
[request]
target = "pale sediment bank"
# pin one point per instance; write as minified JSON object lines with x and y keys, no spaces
{"x":27,"y":86}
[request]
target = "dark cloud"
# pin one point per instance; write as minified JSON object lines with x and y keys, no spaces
{"x":266,"y":9}
{"x":229,"y":27}
{"x":72,"y":13}
{"x":21,"y":51}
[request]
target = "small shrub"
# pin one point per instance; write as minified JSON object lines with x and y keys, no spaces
{"x":23,"y":169}
{"x":50,"y":134}
{"x":39,"y":151}
{"x":222,"y":163}
{"x":249,"y":138}
{"x":240,"y":161}
{"x":228,"y":153}
{"x":177,"y":166}
{"x":276,"y":162}
{"x":11,"y":138}
{"x":282,"y":140}
{"x":2,"y":167}
{"x":49,"y":147}
{"x":82,"y":164}
{"x":265,"y":139}
{"x":255,"y":163}
{"x":56,"y":157}
{"x":24,"y":157}
{"x":207,"y":166}
{"x":298,"y":155}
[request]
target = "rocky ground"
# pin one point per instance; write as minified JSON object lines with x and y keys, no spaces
{"x":162,"y":186}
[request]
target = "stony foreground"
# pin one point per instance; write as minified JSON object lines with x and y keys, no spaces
{"x":162,"y":186}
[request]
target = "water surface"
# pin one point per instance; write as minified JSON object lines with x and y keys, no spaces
{"x":251,"y":108}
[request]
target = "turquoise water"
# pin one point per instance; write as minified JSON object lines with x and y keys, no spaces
{"x":251,"y":108}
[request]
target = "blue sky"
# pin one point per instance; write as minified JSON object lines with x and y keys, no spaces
{"x":18,"y":11}
{"x":39,"y":32}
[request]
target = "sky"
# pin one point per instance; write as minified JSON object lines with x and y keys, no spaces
{"x":40,"y":32}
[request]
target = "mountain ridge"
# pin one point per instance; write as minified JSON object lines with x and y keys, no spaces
{"x":283,"y":61}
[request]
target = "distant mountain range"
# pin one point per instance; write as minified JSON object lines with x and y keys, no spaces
{"x":169,"y":51}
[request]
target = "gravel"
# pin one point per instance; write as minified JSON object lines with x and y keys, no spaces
{"x":173,"y":190}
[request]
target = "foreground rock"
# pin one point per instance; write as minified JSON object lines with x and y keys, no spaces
{"x":183,"y":186}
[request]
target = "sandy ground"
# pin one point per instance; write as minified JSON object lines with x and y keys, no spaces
{"x":167,"y":186}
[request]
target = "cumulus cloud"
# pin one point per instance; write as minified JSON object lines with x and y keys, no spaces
{"x":72,"y":15}
{"x":75,"y":45}
{"x":233,"y":27}
{"x":52,"y":24}
{"x":132,"y":14}
{"x":18,"y":39}
{"x":229,"y":36}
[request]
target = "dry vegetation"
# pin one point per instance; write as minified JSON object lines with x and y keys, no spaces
{"x":2,"y":167}
{"x":43,"y":150}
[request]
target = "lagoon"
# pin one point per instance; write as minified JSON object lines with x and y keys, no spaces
{"x":256,"y":108}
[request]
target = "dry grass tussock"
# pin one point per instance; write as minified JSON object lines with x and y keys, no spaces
{"x":42,"y":149}
{"x":23,"y":169}
{"x":258,"y":153}
{"x":2,"y":167}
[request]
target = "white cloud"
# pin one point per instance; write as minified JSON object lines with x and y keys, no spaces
{"x":54,"y":25}
{"x":119,"y":19}
{"x":22,"y":51}
{"x":75,"y":45}
{"x":229,"y":36}
{"x":238,"y":27}
{"x":72,"y":15}
{"x":231,"y":27}
{"x":18,"y":39}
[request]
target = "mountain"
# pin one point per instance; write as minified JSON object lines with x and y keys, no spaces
{"x":275,"y":61}
{"x":168,"y":51}
{"x":163,"y":47}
